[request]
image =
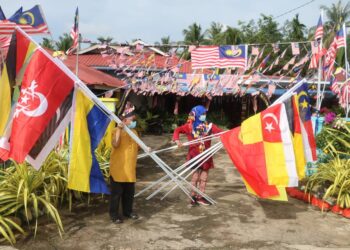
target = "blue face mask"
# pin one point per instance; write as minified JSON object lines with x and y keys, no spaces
{"x":202,"y":118}
{"x":132,"y":125}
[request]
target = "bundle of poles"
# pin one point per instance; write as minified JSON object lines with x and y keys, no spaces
{"x":189,"y":167}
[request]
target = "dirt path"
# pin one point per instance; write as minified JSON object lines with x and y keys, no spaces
{"x":238,"y":221}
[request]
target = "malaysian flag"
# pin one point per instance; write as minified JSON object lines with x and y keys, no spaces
{"x":334,"y":85}
{"x":295,"y":49}
{"x":331,"y":53}
{"x":255,"y":50}
{"x":340,"y":38}
{"x":315,"y":47}
{"x":219,"y":57}
{"x":319,"y":29}
{"x":264,"y":62}
{"x":314,"y":62}
{"x":5,"y":42}
{"x":275,"y":47}
{"x":74,"y":33}
{"x":31,"y":21}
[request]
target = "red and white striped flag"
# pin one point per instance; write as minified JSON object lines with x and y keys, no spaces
{"x":314,"y":62}
{"x":344,"y":99}
{"x":319,"y":29}
{"x":219,"y":57}
{"x":340,"y":38}
{"x":5,"y":42}
{"x":32,"y":21}
{"x":334,"y":85}
{"x":295,"y":49}
{"x":290,"y":62}
{"x":315,"y":47}
{"x":255,"y":50}
{"x":74,"y":33}
{"x":331,"y":53}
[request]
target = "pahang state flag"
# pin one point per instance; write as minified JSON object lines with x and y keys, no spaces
{"x":44,"y":88}
{"x":89,"y":125}
{"x":263,"y":152}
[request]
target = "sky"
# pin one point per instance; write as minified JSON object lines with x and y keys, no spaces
{"x":150,"y":20}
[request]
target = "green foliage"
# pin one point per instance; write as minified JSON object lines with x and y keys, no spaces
{"x":333,"y":139}
{"x":194,"y":35}
{"x":64,"y":42}
{"x":332,"y":181}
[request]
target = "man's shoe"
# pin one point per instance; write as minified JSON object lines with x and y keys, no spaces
{"x":203,"y":202}
{"x":117,"y":220}
{"x":132,"y":216}
{"x":194,"y":201}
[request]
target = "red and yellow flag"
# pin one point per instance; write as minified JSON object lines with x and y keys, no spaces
{"x":262,"y":150}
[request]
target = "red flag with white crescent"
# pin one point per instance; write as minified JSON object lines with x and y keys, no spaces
{"x":44,"y":88}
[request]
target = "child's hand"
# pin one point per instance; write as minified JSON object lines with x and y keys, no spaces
{"x":178,"y":143}
{"x":121,"y":125}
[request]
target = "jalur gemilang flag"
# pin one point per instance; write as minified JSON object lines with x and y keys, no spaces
{"x":44,"y":88}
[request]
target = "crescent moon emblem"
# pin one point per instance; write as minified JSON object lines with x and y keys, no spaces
{"x":32,"y":19}
{"x":41,"y":109}
{"x":272,"y":116}
{"x":302,"y":93}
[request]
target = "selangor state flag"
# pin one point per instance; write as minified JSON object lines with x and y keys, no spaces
{"x":45,"y":86}
{"x":89,"y":125}
{"x":263,"y":152}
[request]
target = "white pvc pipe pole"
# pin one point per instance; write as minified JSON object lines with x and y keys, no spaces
{"x":193,"y":170}
{"x":203,"y":156}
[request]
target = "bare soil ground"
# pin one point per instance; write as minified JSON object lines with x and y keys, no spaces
{"x":238,"y":221}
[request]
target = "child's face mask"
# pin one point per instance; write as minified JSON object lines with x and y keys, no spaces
{"x":132,"y":125}
{"x":202,"y":118}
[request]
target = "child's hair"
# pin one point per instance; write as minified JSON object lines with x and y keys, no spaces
{"x":129,"y":110}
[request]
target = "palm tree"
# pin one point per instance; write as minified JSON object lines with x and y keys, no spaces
{"x":231,"y":36}
{"x":165,"y":40}
{"x":64,"y":42}
{"x":214,"y":33}
{"x":105,"y":40}
{"x":337,"y":14}
{"x":47,"y":43}
{"x":295,"y":29}
{"x":193,"y":34}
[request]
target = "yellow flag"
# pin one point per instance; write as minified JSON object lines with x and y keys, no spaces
{"x":5,"y":99}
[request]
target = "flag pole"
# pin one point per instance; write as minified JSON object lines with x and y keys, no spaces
{"x":346,"y":75}
{"x":78,"y":46}
{"x":318,"y":99}
{"x":77,"y":57}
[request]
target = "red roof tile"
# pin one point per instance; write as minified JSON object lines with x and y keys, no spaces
{"x":91,"y":76}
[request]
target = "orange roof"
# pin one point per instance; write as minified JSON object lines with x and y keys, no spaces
{"x":147,"y":59}
{"x":92,"y":76}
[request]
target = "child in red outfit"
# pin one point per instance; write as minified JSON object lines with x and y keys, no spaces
{"x":197,"y":127}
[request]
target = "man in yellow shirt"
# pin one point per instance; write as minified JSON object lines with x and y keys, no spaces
{"x":123,"y":168}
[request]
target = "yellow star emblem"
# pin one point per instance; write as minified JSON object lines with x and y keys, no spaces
{"x":304,"y":104}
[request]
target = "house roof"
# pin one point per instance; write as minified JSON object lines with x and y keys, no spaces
{"x":92,"y":76}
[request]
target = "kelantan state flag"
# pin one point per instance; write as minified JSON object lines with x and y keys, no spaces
{"x":262,"y":151}
{"x":44,"y":88}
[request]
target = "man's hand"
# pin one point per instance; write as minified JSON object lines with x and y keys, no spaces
{"x":121,"y":125}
